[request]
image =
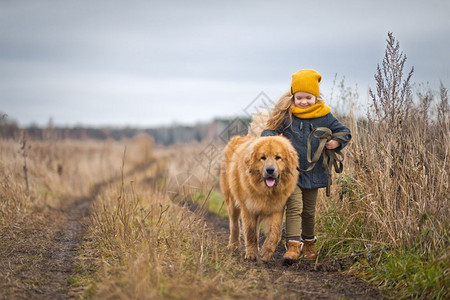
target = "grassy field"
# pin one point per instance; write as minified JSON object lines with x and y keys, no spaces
{"x":137,"y":243}
{"x":140,"y":241}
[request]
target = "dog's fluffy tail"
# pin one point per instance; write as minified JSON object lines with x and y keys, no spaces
{"x":258,"y":123}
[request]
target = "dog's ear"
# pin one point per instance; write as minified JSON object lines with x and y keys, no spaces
{"x":292,"y":157}
{"x":249,"y":159}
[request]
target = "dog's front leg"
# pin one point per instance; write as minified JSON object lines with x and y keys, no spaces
{"x":273,"y":236}
{"x":249,"y":222}
{"x":233,"y":214}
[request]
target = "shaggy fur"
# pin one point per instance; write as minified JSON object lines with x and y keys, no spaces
{"x":257,"y":176}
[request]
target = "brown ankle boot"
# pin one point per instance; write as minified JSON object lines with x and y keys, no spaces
{"x":293,"y":249}
{"x":309,"y":250}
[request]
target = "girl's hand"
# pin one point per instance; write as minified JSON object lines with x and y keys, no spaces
{"x":331,"y":144}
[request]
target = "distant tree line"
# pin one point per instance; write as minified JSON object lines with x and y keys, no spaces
{"x":164,"y":135}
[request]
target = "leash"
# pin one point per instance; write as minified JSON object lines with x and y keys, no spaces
{"x":331,"y":157}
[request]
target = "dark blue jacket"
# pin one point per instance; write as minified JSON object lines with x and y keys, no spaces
{"x":298,"y":135}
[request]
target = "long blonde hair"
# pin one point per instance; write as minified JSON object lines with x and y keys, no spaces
{"x":282,"y":111}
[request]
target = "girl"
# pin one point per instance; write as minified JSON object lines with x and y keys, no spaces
{"x":295,"y":115}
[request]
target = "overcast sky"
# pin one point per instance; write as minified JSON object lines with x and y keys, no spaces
{"x":147,"y":63}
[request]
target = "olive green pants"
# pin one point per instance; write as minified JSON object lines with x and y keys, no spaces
{"x":300,"y":213}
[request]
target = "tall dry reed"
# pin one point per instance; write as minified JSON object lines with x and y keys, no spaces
{"x":395,"y":188}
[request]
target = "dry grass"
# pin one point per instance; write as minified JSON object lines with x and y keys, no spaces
{"x":396,"y":178}
{"x":32,"y":206}
{"x":139,"y":243}
{"x":394,"y":192}
{"x":149,"y":246}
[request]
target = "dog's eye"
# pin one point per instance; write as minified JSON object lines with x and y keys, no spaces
{"x":263,"y":157}
{"x":277,"y":157}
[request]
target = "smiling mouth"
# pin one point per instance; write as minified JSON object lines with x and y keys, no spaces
{"x":271,"y":181}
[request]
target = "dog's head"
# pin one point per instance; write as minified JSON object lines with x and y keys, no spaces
{"x":272,"y":158}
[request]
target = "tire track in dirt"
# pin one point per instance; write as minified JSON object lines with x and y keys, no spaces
{"x":60,"y":260}
{"x":302,"y":280}
{"x":42,"y":255}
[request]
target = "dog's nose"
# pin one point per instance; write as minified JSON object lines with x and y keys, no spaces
{"x":270,"y":170}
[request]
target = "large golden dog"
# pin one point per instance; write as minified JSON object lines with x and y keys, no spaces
{"x":257,"y":176}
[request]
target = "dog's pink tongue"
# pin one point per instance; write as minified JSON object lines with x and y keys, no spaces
{"x":270,"y":182}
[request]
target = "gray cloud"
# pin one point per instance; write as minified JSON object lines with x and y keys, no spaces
{"x":146,"y":62}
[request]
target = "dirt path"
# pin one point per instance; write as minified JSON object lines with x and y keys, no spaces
{"x":304,"y":280}
{"x":38,"y":257}
{"x":43,"y":257}
{"x":59,"y":260}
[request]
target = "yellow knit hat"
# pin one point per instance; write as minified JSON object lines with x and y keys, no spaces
{"x":306,"y":80}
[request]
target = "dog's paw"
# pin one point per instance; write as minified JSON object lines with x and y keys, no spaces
{"x":251,"y":255}
{"x":266,"y":255}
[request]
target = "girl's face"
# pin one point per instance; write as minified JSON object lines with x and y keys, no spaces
{"x":304,"y":100}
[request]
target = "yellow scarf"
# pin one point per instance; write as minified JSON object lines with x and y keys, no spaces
{"x":314,"y":111}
